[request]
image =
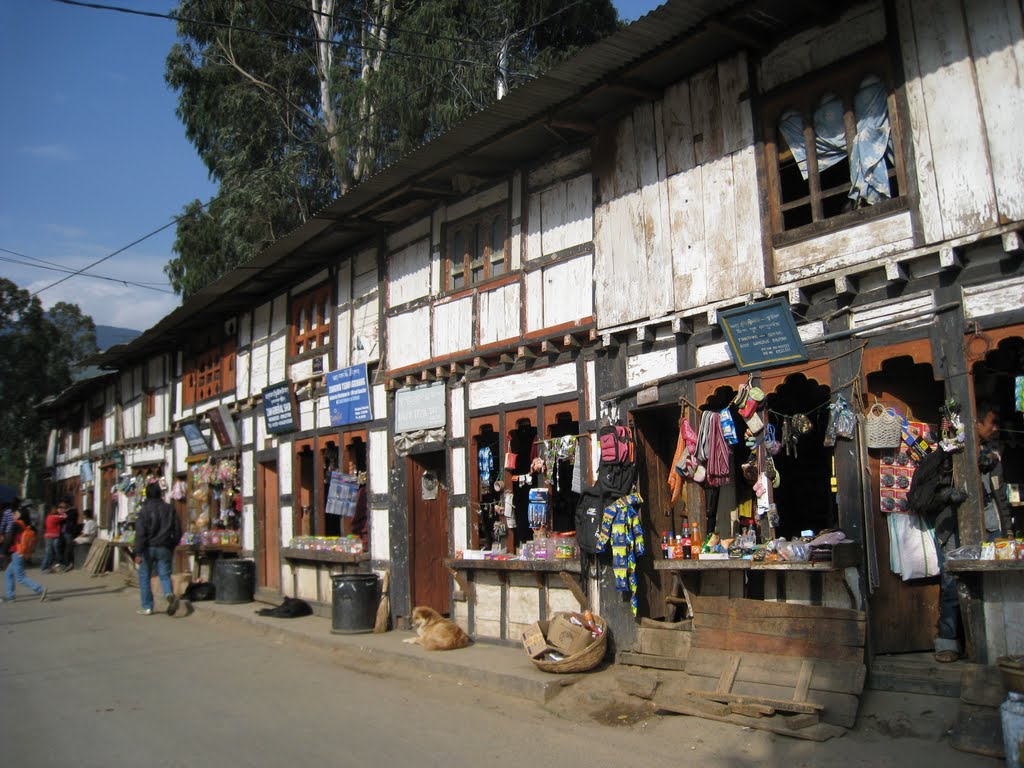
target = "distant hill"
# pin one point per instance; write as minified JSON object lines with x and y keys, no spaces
{"x":108,"y":336}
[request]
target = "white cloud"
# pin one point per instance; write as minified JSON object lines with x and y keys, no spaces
{"x":48,"y":151}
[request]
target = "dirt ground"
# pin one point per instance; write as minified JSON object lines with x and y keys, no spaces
{"x":893,"y":729}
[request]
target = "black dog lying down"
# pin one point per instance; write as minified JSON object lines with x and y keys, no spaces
{"x":291,"y":608}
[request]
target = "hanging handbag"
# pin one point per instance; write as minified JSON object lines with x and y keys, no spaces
{"x":882,"y":427}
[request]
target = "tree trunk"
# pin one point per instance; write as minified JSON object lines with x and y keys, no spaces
{"x":323,"y":23}
{"x":376,"y":32}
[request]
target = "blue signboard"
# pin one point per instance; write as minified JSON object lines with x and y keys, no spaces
{"x":762,"y":335}
{"x":279,"y":408}
{"x":348,"y":395}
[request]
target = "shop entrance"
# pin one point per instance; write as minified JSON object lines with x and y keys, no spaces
{"x":656,"y":431}
{"x":268,"y":526}
{"x":998,"y":366}
{"x":904,"y":614}
{"x":428,"y":530}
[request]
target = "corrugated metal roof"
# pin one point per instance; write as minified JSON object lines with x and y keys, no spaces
{"x":603,"y":81}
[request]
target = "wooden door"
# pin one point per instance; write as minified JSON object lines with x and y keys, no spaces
{"x":268,"y":527}
{"x":428,"y":532}
{"x":903,"y":614}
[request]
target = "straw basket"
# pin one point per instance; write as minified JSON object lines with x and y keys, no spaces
{"x":883,"y":427}
{"x":583,"y":661}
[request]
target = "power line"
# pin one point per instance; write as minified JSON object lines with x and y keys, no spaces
{"x":54,"y":267}
{"x":269,"y":33}
{"x":81,"y":271}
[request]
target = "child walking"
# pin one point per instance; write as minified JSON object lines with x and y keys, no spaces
{"x":24,"y":544}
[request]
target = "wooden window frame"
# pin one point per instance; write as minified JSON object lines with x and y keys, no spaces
{"x":305,"y":337}
{"x":149,"y":403}
{"x":843,"y":80}
{"x":96,"y":426}
{"x":209,"y":372}
{"x":477,"y":264}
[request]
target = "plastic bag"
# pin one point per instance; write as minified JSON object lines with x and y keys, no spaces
{"x":794,"y":551}
{"x":728,"y":426}
{"x":968,"y":552}
{"x":842,"y":422}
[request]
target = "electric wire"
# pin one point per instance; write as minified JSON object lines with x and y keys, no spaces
{"x":55,"y":267}
{"x":270,"y":33}
{"x":145,"y":237}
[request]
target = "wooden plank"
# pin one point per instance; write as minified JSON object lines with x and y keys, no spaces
{"x":783,"y":705}
{"x":835,"y":708}
{"x":752,"y":710}
{"x":841,"y":677}
{"x":761,"y":609}
{"x":732,"y":640}
{"x":652,"y":662}
{"x":819,"y":732}
{"x":961,"y":164}
{"x":688,"y":704}
{"x":994,"y":30}
{"x":982,"y":685}
{"x":706,"y":115}
{"x":803,"y":682}
{"x":728,"y":674}
{"x":678,"y":128}
{"x":664,"y":642}
{"x":796,"y":722}
{"x":689,"y":253}
{"x":833,"y":631}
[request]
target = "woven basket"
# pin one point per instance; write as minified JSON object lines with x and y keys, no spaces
{"x":882,"y":427}
{"x":583,"y":661}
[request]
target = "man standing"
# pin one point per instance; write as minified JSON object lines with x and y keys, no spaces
{"x":157,"y":533}
{"x":68,"y":532}
{"x":986,"y":427}
{"x":7,"y":529}
{"x":51,"y":535}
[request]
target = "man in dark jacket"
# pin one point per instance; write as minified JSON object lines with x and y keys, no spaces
{"x":157,"y":533}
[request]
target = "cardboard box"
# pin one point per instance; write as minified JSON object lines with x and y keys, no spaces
{"x":534,"y":640}
{"x":567,"y":637}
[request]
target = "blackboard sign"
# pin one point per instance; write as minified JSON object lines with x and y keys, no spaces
{"x":348,"y":395}
{"x":194,"y":437}
{"x":279,"y":408}
{"x":762,"y":335}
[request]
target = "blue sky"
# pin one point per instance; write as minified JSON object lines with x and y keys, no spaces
{"x":93,"y":158}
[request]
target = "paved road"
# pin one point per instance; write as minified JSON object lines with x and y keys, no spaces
{"x":86,"y":682}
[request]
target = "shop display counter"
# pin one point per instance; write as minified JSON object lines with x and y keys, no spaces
{"x":208,"y":555}
{"x":312,"y":569}
{"x":497,"y":600}
{"x":832,"y":583}
{"x":992,"y":598}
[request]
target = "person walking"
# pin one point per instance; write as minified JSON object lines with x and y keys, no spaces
{"x":157,"y":533}
{"x":10,"y":513}
{"x":51,"y":535}
{"x":68,"y":532}
{"x":24,"y":544}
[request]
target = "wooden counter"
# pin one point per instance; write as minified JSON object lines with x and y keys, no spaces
{"x":843,"y":556}
{"x":319,"y":556}
{"x":984,"y":566}
{"x":311,"y":572}
{"x":527,"y":566}
{"x":498,"y":600}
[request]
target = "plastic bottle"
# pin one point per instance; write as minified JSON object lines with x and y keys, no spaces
{"x":687,"y":542}
{"x":696,"y":544}
{"x":671,"y":546}
{"x":664,"y":546}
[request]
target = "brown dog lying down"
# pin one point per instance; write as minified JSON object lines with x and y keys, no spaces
{"x":434,"y":632}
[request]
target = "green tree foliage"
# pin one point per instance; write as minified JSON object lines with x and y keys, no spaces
{"x":39,"y":353}
{"x":291,"y":103}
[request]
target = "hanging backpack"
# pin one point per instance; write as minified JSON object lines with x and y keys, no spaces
{"x":616,"y":473}
{"x":589,"y":512}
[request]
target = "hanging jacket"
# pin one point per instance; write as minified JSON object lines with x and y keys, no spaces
{"x":620,"y":524}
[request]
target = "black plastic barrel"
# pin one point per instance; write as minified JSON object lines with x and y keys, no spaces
{"x":234,"y":581}
{"x":81,"y":552}
{"x":354,"y":607}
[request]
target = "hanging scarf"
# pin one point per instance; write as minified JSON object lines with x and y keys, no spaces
{"x":719,"y":459}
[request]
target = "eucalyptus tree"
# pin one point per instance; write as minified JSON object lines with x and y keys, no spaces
{"x":291,"y":103}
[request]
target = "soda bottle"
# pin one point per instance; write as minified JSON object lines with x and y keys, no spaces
{"x":695,"y":535}
{"x":687,"y":542}
{"x":664,"y":546}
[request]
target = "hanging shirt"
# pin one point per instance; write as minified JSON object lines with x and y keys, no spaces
{"x":485,"y":461}
{"x":620,"y":524}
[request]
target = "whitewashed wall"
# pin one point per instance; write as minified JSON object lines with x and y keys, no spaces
{"x":678,"y":223}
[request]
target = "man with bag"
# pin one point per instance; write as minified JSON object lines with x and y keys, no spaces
{"x":157,"y":533}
